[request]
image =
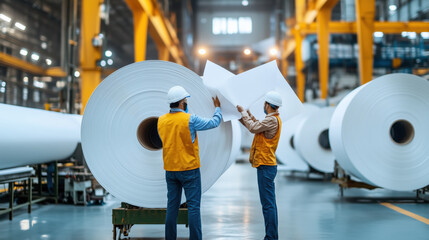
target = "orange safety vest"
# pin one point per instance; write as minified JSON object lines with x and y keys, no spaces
{"x":263,"y":151}
{"x":178,"y":151}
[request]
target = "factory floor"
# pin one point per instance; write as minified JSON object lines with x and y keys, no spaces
{"x":308,"y":209}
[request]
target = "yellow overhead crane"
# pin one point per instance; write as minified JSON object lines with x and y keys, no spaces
{"x":147,"y":16}
{"x":364,"y":27}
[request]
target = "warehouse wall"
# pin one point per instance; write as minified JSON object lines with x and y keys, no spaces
{"x":260,"y":28}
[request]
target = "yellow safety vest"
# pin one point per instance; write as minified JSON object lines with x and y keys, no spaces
{"x":263,"y":151}
{"x":178,"y":151}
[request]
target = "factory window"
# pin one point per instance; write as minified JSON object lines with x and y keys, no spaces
{"x":223,"y":25}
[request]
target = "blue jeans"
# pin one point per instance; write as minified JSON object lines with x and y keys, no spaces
{"x":191,"y":182}
{"x":267,"y":194}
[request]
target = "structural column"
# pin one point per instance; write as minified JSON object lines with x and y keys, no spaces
{"x":365,"y":11}
{"x":89,"y":54}
{"x":323,"y":19}
{"x":140,"y":34}
{"x":299,"y":65}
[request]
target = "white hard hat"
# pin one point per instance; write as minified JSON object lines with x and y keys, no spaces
{"x":274,"y":98}
{"x":176,"y":94}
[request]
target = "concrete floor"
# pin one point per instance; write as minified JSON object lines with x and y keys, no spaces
{"x":308,"y":209}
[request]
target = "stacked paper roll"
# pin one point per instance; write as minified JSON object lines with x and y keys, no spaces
{"x":286,"y":151}
{"x":119,"y":131}
{"x":380,"y":132}
{"x":312,"y":140}
{"x":33,"y":136}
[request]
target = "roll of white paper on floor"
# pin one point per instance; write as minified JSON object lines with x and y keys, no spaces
{"x":312,"y":140}
{"x":380,"y":132}
{"x":286,"y":152}
{"x":123,"y":111}
{"x":33,"y":136}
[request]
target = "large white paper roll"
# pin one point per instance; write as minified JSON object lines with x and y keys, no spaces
{"x":380,"y":132}
{"x":312,"y":140}
{"x":33,"y":136}
{"x":286,"y":152}
{"x":136,"y":95}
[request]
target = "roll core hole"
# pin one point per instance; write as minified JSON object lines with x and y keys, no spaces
{"x":324,"y":140}
{"x":402,"y":132}
{"x":147,"y":134}
{"x":291,"y":142}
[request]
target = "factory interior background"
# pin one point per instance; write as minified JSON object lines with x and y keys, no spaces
{"x":359,"y":171}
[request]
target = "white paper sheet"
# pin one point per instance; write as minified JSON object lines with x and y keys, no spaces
{"x":248,"y":89}
{"x":215,"y":78}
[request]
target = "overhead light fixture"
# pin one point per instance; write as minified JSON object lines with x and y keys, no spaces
{"x":109,"y":61}
{"x":378,"y":34}
{"x":20,"y":26}
{"x":48,"y":61}
{"x":25,"y":80}
{"x":247,"y":51}
{"x":108,"y":53}
{"x":392,"y":8}
{"x":425,"y":35}
{"x":103,"y":63}
{"x":202,"y":51}
{"x":412,"y":35}
{"x":44,"y":45}
{"x":23,"y":52}
{"x":244,"y":2}
{"x":35,"y":56}
{"x":77,"y":74}
{"x":5,"y":18}
{"x":273,"y":51}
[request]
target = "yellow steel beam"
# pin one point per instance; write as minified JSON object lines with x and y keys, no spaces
{"x":284,"y":67}
{"x":365,"y":11}
{"x":323,"y":19}
{"x":90,"y":27}
{"x":160,"y":28}
{"x":140,"y":35}
{"x":338,"y":27}
{"x":299,"y":66}
{"x":14,"y":62}
{"x":288,"y":47}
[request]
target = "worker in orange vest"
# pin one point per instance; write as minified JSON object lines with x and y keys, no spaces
{"x":178,"y":132}
{"x":263,"y":158}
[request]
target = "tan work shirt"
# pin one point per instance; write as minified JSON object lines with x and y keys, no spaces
{"x":269,"y":125}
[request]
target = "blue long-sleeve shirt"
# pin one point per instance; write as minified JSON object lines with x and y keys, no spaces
{"x":199,"y":124}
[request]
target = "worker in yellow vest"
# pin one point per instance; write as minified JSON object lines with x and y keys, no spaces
{"x":178,"y":132}
{"x":262,"y":156}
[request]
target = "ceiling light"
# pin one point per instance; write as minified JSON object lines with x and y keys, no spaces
{"x":247,"y":51}
{"x":48,"y":61}
{"x":109,"y":61}
{"x":425,"y":35}
{"x":392,"y":8}
{"x":273,"y":51}
{"x":44,"y":45}
{"x":35,"y":56}
{"x":378,"y":34}
{"x":244,"y":2}
{"x":4,"y":17}
{"x":76,"y":74}
{"x":23,"y":52}
{"x":202,"y":51}
{"x":103,"y":63}
{"x":20,"y":26}
{"x":108,"y":53}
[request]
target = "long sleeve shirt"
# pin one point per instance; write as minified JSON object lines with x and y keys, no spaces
{"x":197,"y":123}
{"x":269,"y":126}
